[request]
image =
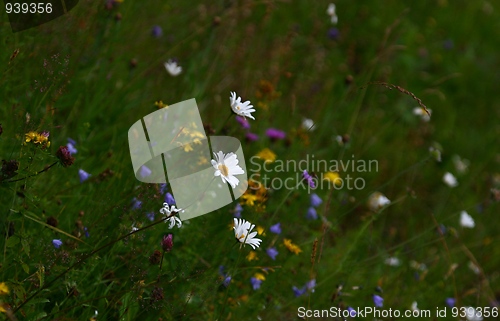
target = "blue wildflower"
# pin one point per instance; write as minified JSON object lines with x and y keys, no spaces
{"x":352,"y":312}
{"x":255,"y":283}
{"x":298,"y":292}
{"x":86,"y":232}
{"x":169,"y":199}
{"x":145,"y":171}
{"x":378,"y":300}
{"x":136,"y":204}
{"x":227,"y":280}
{"x":450,"y":302}
{"x":272,"y":252}
{"x":57,"y":243}
{"x":276,"y":228}
{"x":237,"y":210}
{"x":315,"y":200}
{"x":311,"y":213}
{"x":83,"y":175}
{"x":333,"y":33}
{"x":150,"y":216}
{"x":157,"y":32}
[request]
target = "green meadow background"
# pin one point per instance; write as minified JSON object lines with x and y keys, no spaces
{"x":90,"y":74}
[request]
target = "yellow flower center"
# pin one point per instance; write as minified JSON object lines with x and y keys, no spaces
{"x":223,"y":169}
{"x":238,"y":107}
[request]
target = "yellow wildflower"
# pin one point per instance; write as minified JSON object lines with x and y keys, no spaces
{"x":259,"y":276}
{"x":291,"y":247}
{"x":249,"y":199}
{"x":267,"y":155}
{"x":160,"y":104}
{"x":333,"y":177}
{"x":252,"y":255}
{"x":261,"y":230}
{"x":3,"y":289}
{"x":31,"y":136}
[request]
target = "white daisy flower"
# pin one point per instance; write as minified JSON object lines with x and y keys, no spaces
{"x":450,"y":180}
{"x":419,"y":111}
{"x":392,"y":261}
{"x":466,"y":220}
{"x":331,"y":12}
{"x":308,"y":124}
{"x":242,"y":233}
{"x":226,"y":166}
{"x":173,"y":68}
{"x":170,"y":213}
{"x":239,"y":108}
{"x":377,"y":200}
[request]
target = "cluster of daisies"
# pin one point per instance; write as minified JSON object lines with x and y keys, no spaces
{"x":225,"y":166}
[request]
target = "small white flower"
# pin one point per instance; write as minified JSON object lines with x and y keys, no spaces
{"x":414,"y":306}
{"x":339,"y":140}
{"x":392,"y":261}
{"x":172,"y":68}
{"x":461,"y":165}
{"x":331,"y":12}
{"x":239,"y":108}
{"x":170,"y":213}
{"x":377,"y":200}
{"x":473,"y":314}
{"x":466,"y":220}
{"x":242,"y":233}
{"x":226,"y":166}
{"x":419,"y":111}
{"x":450,"y":180}
{"x":474,"y":268}
{"x":308,"y":124}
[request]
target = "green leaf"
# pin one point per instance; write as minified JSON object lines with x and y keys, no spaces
{"x":25,"y":267}
{"x":26,"y":246}
{"x":12,"y":241}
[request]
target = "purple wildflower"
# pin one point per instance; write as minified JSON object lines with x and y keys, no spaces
{"x":145,"y":171}
{"x":237,"y":210}
{"x":83,"y":175}
{"x":309,"y":179}
{"x":311,"y":214}
{"x":169,"y":199}
{"x":57,"y":243}
{"x":251,"y":137}
{"x":450,"y":302}
{"x":276,"y":228}
{"x":136,"y":204}
{"x":163,"y":188}
{"x":272,"y":252}
{"x":298,"y":292}
{"x":352,"y":312}
{"x":87,"y":235}
{"x":255,"y":283}
{"x":311,"y":285}
{"x":243,"y":122}
{"x":378,"y":300}
{"x":156,"y":31}
{"x":333,"y":33}
{"x":315,"y":200}
{"x":150,"y":216}
{"x":71,"y":141}
{"x":275,"y":134}
{"x":167,"y":243}
{"x":227,"y":280}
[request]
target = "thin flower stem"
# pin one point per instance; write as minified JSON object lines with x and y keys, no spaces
{"x":231,"y":275}
{"x":283,"y":202}
{"x":224,"y":123}
{"x":37,"y":173}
